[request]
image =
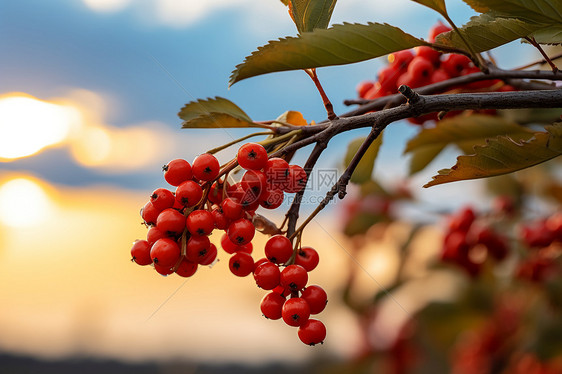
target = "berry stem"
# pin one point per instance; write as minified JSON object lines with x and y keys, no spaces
{"x":327,"y":103}
{"x":543,"y":53}
{"x":476,"y":57}
{"x":224,"y":146}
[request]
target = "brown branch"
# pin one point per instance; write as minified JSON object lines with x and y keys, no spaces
{"x":542,"y":52}
{"x":495,"y":73}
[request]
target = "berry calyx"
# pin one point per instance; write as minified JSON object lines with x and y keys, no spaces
{"x":162,"y":199}
{"x":308,"y":258}
{"x":200,"y":222}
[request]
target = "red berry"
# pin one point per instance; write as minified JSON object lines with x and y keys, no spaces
{"x":216,"y":193}
{"x":171,"y":222}
{"x":429,"y":54}
{"x":462,"y":220}
{"x":149,"y":214}
{"x":165,"y":252}
{"x":241,"y":231}
{"x":209,"y":257}
{"x":262,"y":260}
{"x":177,"y":171}
{"x":200,"y":222}
{"x":141,"y":252}
{"x":163,"y":270}
{"x":293,"y":277}
{"x":271,"y":305}
{"x":230,"y":247}
{"x":231,"y":208}
{"x":439,"y":28}
{"x":420,"y":70}
{"x":221,"y":222}
{"x":295,"y":311}
{"x":312,"y":332}
{"x":189,"y":193}
{"x":316,"y":298}
{"x":454,"y":64}
{"x":252,"y":156}
{"x":241,"y":264}
{"x":205,"y":167}
{"x":153,"y":234}
{"x":278,"y":249}
{"x":162,"y":199}
{"x":439,"y":75}
{"x":254,"y":180}
{"x":388,"y":77}
{"x":308,"y":258}
{"x":363,"y":87}
{"x":197,"y":248}
{"x":271,"y":199}
{"x":276,"y":170}
{"x":401,"y":59}
{"x":186,"y":268}
{"x":297,"y":179}
{"x":267,"y":275}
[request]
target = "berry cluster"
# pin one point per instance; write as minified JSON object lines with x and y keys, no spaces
{"x":468,"y":243}
{"x":291,"y":281}
{"x":544,"y":240}
{"x":180,"y":222}
{"x":420,"y":67}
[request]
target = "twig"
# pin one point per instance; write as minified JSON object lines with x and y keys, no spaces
{"x":543,"y":53}
{"x":327,"y":103}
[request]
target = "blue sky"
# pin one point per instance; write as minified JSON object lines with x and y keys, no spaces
{"x":146,"y":59}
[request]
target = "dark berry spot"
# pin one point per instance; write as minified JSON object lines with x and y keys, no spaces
{"x":236,"y":265}
{"x":252,"y":154}
{"x":184,"y":200}
{"x":200,"y":231}
{"x":240,"y":239}
{"x":155,"y":260}
{"x":165,"y":168}
{"x":203,"y":252}
{"x":207,"y":170}
{"x":293,"y":286}
{"x":154,"y":196}
{"x":295,"y":317}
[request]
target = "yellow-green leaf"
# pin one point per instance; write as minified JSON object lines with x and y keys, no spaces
{"x":462,"y":131}
{"x":437,"y":5}
{"x":311,"y":14}
{"x":540,"y":11}
{"x":341,"y":44}
{"x":550,"y":35}
{"x":285,"y":2}
{"x":503,"y":155}
{"x":422,"y":157}
{"x":485,"y":32}
{"x":364,"y":169}
{"x":213,"y":113}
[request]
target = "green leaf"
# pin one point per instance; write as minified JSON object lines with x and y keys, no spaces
{"x":540,"y":11}
{"x":503,"y":155}
{"x":213,"y":113}
{"x":485,"y":32}
{"x":364,"y":169}
{"x":423,"y":156}
{"x":312,"y":14}
{"x":550,"y":35}
{"x":462,"y":131}
{"x":437,"y":5}
{"x":341,"y":44}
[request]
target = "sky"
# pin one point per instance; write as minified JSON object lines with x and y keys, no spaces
{"x":89,"y":92}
